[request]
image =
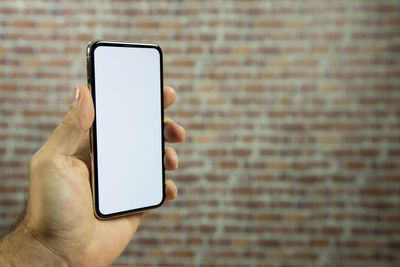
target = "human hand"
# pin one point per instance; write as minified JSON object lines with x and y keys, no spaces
{"x":60,"y":222}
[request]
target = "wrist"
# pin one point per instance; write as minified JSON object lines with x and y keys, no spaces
{"x":22,"y":248}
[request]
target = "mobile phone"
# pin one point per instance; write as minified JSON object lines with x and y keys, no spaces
{"x":126,"y":138}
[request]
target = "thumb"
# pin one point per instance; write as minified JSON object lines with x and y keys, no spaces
{"x":66,"y":137}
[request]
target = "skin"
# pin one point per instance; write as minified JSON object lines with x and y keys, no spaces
{"x":60,"y":228}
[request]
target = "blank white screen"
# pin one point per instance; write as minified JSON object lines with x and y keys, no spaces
{"x":128,"y":121}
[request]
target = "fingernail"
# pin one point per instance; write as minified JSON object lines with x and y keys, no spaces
{"x":77,"y":96}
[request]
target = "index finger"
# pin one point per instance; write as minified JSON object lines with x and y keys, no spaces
{"x":169,"y":96}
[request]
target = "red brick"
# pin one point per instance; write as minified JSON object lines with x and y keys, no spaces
{"x":171,"y":25}
{"x":277,"y":165}
{"x":394,"y":153}
{"x":60,"y":63}
{"x":241,"y":152}
{"x":242,"y":242}
{"x":369,"y":152}
{"x":269,"y":243}
{"x":356,"y":165}
{"x":306,"y":62}
{"x":23,"y":49}
{"x":23,"y":23}
{"x":182,"y":254}
{"x":8,"y":87}
{"x":246,"y":190}
{"x":331,"y":230}
{"x":147,"y":24}
{"x":182,"y":63}
{"x":319,"y":243}
{"x":305,"y":256}
{"x":229,"y":165}
{"x":269,"y":50}
{"x":374,"y":191}
{"x":194,"y":241}
{"x":270,"y":217}
{"x":253,"y":88}
{"x":242,"y":50}
{"x":270,"y":24}
{"x":207,"y":37}
{"x":48,"y":24}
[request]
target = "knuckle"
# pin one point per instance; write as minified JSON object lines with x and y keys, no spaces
{"x":35,"y":161}
{"x":41,"y":161}
{"x":78,"y":166}
{"x":71,"y":121}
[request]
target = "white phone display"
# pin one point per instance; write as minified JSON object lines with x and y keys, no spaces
{"x":127,"y":135}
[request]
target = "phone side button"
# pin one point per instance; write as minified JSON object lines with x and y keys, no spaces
{"x":88,"y":70}
{"x":90,"y":143}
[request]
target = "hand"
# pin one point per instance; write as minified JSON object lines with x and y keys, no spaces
{"x":60,"y":219}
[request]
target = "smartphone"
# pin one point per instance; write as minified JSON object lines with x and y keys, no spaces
{"x":126,"y":138}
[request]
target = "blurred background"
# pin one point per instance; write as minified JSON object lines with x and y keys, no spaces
{"x":292,"y":111}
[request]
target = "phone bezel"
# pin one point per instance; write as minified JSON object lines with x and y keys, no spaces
{"x":93,"y":138}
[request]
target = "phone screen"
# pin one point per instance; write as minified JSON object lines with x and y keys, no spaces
{"x":127,"y":132}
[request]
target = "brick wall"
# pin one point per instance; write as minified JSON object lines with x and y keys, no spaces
{"x":293,"y":117}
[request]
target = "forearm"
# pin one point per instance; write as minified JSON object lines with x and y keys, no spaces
{"x":21,"y":248}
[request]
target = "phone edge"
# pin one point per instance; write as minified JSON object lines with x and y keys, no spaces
{"x":90,"y":80}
